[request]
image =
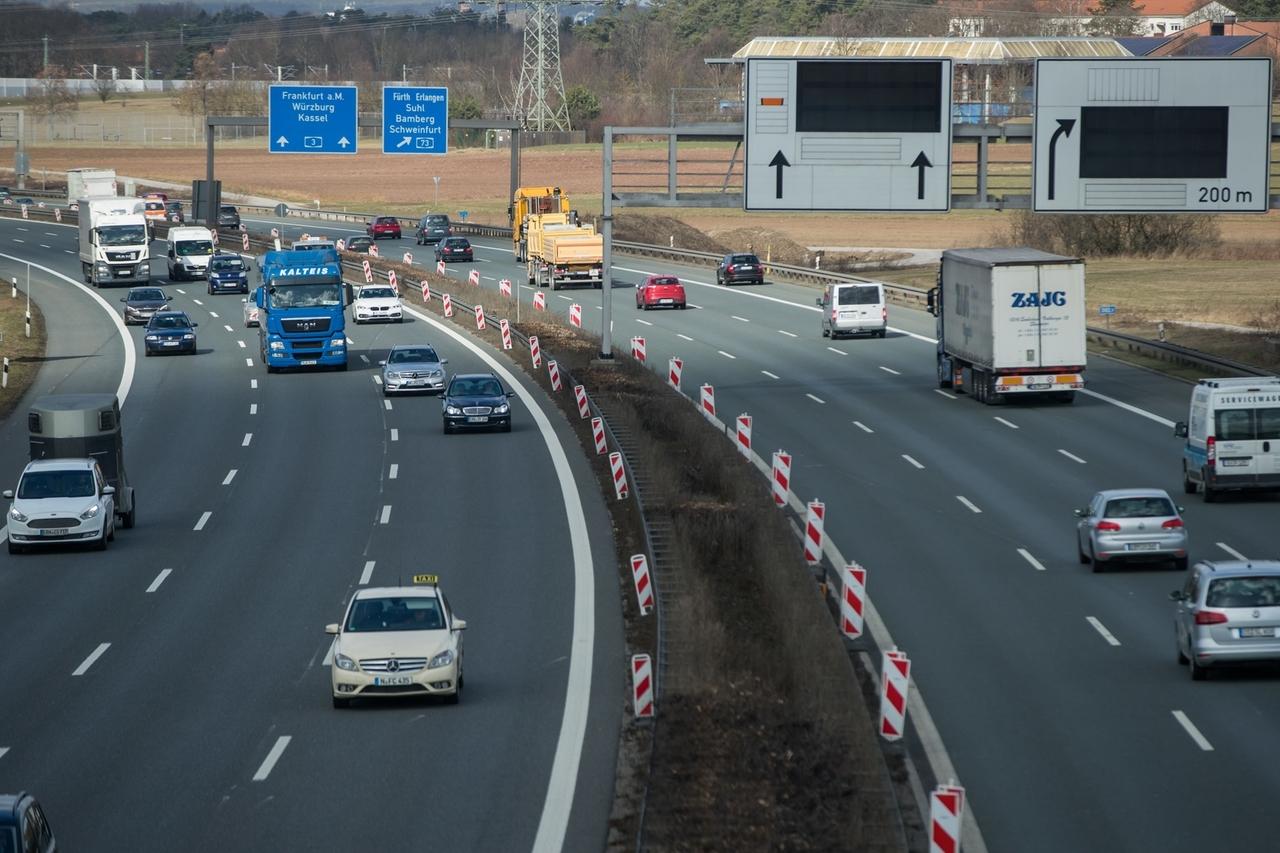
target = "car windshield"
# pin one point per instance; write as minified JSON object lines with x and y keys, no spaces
{"x":56,"y":484}
{"x":436,"y":220}
{"x":458,"y":242}
{"x":149,"y":295}
{"x":227,"y":265}
{"x":416,"y":355}
{"x":285,"y":295}
{"x":1139,"y":508}
{"x":1243,"y":592}
{"x":859,"y":296}
{"x":409,"y":613}
{"x":122,"y":235}
{"x":189,"y":248}
{"x":386,"y":220}
{"x":226,"y":210}
{"x":475,"y":388}
{"x":377,"y":293}
{"x":744,"y":259}
{"x":169,"y":322}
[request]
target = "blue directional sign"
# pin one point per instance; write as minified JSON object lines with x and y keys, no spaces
{"x":415,"y":120}
{"x":1104,"y":310}
{"x":312,"y":119}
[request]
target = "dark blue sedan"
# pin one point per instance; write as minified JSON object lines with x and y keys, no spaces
{"x":170,"y":331}
{"x":476,"y":400}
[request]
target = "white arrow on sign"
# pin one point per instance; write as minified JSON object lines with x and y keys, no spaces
{"x":344,"y":142}
{"x":403,"y":142}
{"x":282,"y":141}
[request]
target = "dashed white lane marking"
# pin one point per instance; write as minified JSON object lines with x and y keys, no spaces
{"x":69,"y":251}
{"x":364,"y":358}
{"x":89,"y":661}
{"x":386,"y":404}
{"x":180,"y":290}
{"x":683,"y":337}
{"x":5,"y":749}
{"x":231,"y":475}
{"x":19,"y":240}
{"x":912,"y":461}
{"x":377,"y":380}
{"x":228,"y":328}
{"x":890,"y":370}
{"x":599,"y":307}
{"x":727,"y":355}
{"x":196,"y":301}
{"x":213,"y":314}
{"x":367,"y":573}
{"x":249,"y":362}
{"x":837,"y":351}
{"x":860,"y":425}
{"x":350,"y":342}
{"x":395,"y":434}
{"x":394,"y":472}
{"x":242,"y":344}
{"x":204,"y":519}
{"x":565,"y":298}
{"x":945,"y":394}
{"x":248,"y":437}
{"x":1009,"y":424}
{"x":970,"y":504}
{"x":816,"y":399}
{"x":788,"y":334}
{"x":45,"y":246}
{"x":155,"y":584}
{"x":643,"y":322}
{"x":386,"y":515}
{"x":1026,"y":555}
{"x":740,"y":319}
{"x":269,"y":763}
{"x":253,"y":383}
{"x":253,"y":408}
{"x":1232,"y":551}
{"x":1101,"y":629}
{"x":1072,"y":456}
{"x":1190,"y":728}
{"x":770,"y":375}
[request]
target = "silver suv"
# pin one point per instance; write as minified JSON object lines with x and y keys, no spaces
{"x":1227,"y":612}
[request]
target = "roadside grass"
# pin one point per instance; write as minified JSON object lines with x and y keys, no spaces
{"x":25,"y":354}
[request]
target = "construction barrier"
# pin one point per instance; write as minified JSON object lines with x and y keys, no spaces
{"x":505,"y":326}
{"x":479,"y":318}
{"x":339,"y":244}
{"x":644,"y":589}
{"x":620,"y":489}
{"x":642,"y":686}
{"x":213,"y":235}
{"x":426,"y":290}
{"x":373,"y":250}
{"x":575,"y":315}
{"x":853,"y":597}
{"x":674,"y":368}
{"x":708,"y":395}
{"x":553,"y":371}
{"x":4,"y":377}
{"x":580,"y":395}
{"x":277,"y":242}
{"x":814,"y":522}
{"x":306,"y":236}
{"x":504,"y":287}
{"x":473,"y":278}
{"x":597,"y":433}
{"x":368,"y":271}
{"x":946,"y":808}
{"x":57,"y":213}
{"x":539,"y":301}
{"x":535,"y":352}
{"x":440,"y":268}
{"x":638,"y":350}
{"x":24,"y":212}
{"x":393,"y":280}
{"x":244,"y":242}
{"x":448,"y":304}
{"x":781,"y":477}
{"x":407,"y":258}
{"x":895,"y":676}
{"x":275,"y":233}
{"x":744,"y":434}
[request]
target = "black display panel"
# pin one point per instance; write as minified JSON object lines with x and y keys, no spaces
{"x":869,"y":97}
{"x":1153,"y":142}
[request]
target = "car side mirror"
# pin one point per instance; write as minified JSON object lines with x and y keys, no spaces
{"x":1080,"y":513}
{"x":1180,"y":429}
{"x":1177,"y":595}
{"x":8,"y":494}
{"x":124,"y":299}
{"x":459,"y":624}
{"x":331,"y":628}
{"x":444,"y":361}
{"x":511,"y":394}
{"x":382,"y":363}
{"x":1182,"y":509}
{"x":193,"y":325}
{"x":108,"y":490}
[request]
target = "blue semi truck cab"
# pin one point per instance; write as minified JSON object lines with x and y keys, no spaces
{"x":301,"y":310}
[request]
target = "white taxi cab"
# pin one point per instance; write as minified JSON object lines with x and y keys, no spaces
{"x":398,"y":641}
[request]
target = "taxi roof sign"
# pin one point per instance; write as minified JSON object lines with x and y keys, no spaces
{"x":427,"y":579}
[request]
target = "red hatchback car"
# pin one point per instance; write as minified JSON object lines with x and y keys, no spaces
{"x":384,"y":226}
{"x":660,"y":291}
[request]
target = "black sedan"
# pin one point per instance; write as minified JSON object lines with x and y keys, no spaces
{"x":142,"y":302}
{"x":740,"y":268}
{"x":170,"y":331}
{"x":476,"y":400}
{"x":358,"y":244}
{"x":454,"y":249}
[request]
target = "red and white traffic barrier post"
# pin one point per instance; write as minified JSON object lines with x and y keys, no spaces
{"x":708,"y":395}
{"x":553,"y":371}
{"x":340,"y":244}
{"x":440,"y":267}
{"x":244,"y":242}
{"x":368,"y":271}
{"x":57,"y":213}
{"x":575,"y":315}
{"x":505,"y":327}
{"x":407,"y":258}
{"x":213,"y":234}
{"x":306,"y":236}
{"x":479,"y":318}
{"x":24,"y":212}
{"x":946,"y":811}
{"x":620,"y":488}
{"x":473,"y":278}
{"x":426,"y":290}
{"x":813,"y":533}
{"x":539,"y":301}
{"x":781,"y":477}
{"x":638,"y":350}
{"x":448,"y":304}
{"x":644,"y":589}
{"x":895,"y":676}
{"x":674,"y":368}
{"x":393,"y":280}
{"x":535,"y":352}
{"x":580,"y":395}
{"x":744,"y":434}
{"x":597,"y":433}
{"x":853,"y":599}
{"x":275,"y":233}
{"x":4,"y":376}
{"x":504,"y":287}
{"x":373,"y":250}
{"x":642,"y":686}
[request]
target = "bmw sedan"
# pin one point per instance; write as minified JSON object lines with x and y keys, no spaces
{"x":170,"y":331}
{"x":412,"y":367}
{"x":1131,"y":525}
{"x":377,"y":303}
{"x":358,"y":244}
{"x":141,"y":303}
{"x":476,"y":400}
{"x":454,"y":249}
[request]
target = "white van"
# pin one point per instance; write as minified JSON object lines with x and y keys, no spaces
{"x":190,"y":249}
{"x":1232,"y":436}
{"x":853,"y":307}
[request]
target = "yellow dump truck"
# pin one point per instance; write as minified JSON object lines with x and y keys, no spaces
{"x":528,"y":202}
{"x":561,"y":252}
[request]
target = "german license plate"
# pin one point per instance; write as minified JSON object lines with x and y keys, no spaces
{"x":171,"y":343}
{"x":124,"y":273}
{"x":1143,"y":546}
{"x":665,"y":301}
{"x":1233,"y":463}
{"x":54,"y":531}
{"x":1247,"y":633}
{"x":415,"y":382}
{"x":392,"y":680}
{"x":1040,"y":386}
{"x":478,"y":419}
{"x":307,"y":361}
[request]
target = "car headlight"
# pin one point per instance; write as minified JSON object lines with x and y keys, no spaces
{"x":277,"y":346}
{"x":91,"y":512}
{"x":453,"y":410}
{"x":344,"y":662}
{"x":501,"y":409}
{"x":153,"y":337}
{"x":129,"y":309}
{"x":188,"y":337}
{"x":393,"y":376}
{"x":144,"y":268}
{"x":443,"y":659}
{"x":16,"y":515}
{"x":436,"y":374}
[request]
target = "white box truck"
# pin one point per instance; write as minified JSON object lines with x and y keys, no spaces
{"x":190,"y":249}
{"x":1232,"y":434}
{"x":90,"y":183}
{"x":115,"y":244}
{"x":1010,"y":322}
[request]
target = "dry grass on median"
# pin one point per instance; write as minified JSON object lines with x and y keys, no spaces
{"x":25,"y":354}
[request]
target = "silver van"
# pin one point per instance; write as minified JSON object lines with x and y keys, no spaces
{"x":852,"y":308}
{"x":1232,"y":436}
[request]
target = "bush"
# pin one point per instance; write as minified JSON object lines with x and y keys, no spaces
{"x":1115,"y":234}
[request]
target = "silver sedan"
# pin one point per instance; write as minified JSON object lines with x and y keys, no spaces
{"x":413,"y":367}
{"x":1131,"y":525}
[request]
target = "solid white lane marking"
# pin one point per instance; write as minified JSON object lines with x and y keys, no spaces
{"x":740,"y":319}
{"x":860,"y":425}
{"x":394,"y":472}
{"x":395,"y":434}
{"x":231,"y":475}
{"x":248,"y":362}
{"x":386,"y":515}
{"x":890,"y":370}
{"x":1026,"y":555}
{"x":770,"y":375}
{"x":248,"y":437}
{"x":213,"y":314}
{"x":1127,"y":407}
{"x":1232,"y":551}
{"x":837,"y":351}
{"x":788,"y":334}
{"x":204,"y":519}
{"x":643,"y":322}
{"x":816,"y":399}
{"x":367,"y":573}
{"x":386,"y":404}
{"x":377,"y":380}
{"x":1101,"y":629}
{"x":253,"y":408}
{"x":684,"y":337}
{"x":269,"y":763}
{"x":727,"y":355}
{"x":228,"y":328}
{"x":1009,"y":424}
{"x":155,"y":584}
{"x":241,"y":343}
{"x":1072,"y":456}
{"x":912,"y":461}
{"x":945,"y":394}
{"x":970,"y":504}
{"x":364,"y":358}
{"x":1190,"y":728}
{"x":89,"y":661}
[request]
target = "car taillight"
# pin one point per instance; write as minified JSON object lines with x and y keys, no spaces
{"x":729,"y":268}
{"x":834,"y":313}
{"x":1211,"y":450}
{"x":1210,"y":617}
{"x":1172,"y":524}
{"x":1108,"y":525}
{"x":884,"y":314}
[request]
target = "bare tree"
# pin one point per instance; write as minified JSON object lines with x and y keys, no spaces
{"x":52,"y":98}
{"x":105,"y":86}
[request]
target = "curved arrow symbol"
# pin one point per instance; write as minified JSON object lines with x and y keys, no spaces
{"x":921,"y":163}
{"x":779,"y":161}
{"x":1064,"y":128}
